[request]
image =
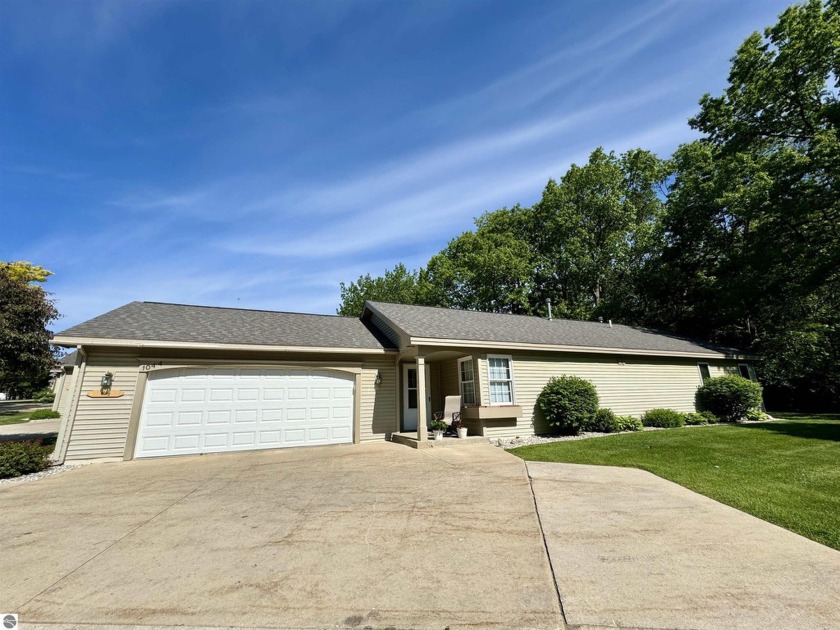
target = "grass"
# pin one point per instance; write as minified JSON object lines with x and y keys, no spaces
{"x":15,"y":418}
{"x":784,"y":472}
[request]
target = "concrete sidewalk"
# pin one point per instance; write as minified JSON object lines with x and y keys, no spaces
{"x":28,"y":430}
{"x":632,"y":550}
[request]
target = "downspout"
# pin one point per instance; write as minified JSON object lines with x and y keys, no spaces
{"x":66,"y":427}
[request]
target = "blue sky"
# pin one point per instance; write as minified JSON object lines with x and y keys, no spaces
{"x":258,"y":153}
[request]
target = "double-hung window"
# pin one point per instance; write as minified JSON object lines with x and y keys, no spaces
{"x":500,"y":379}
{"x":705,"y":374}
{"x":745,"y":371}
{"x":466,"y":380}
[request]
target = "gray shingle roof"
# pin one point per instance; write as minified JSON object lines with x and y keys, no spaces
{"x":155,"y":321}
{"x":450,"y":324}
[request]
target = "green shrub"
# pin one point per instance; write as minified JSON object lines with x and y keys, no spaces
{"x":602,"y":422}
{"x":728,"y":397}
{"x":568,"y":403}
{"x":43,"y":414}
{"x":695,"y":418}
{"x":757,"y":415}
{"x":22,"y":458}
{"x":626,"y":423}
{"x":44,"y":395}
{"x":439,"y":425}
{"x":710,"y":417}
{"x":663,"y":418}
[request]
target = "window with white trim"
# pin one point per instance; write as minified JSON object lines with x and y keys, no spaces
{"x":705,"y":374}
{"x":500,"y":379}
{"x":466,"y":380}
{"x":745,"y":371}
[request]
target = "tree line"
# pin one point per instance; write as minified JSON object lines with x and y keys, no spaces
{"x":734,"y":239}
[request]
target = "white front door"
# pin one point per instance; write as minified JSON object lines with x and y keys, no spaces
{"x":410,"y":397}
{"x":214,"y":409}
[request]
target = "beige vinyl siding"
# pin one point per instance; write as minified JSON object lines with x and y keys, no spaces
{"x":378,"y":401}
{"x":64,"y":392}
{"x":101,"y":424}
{"x":628,"y":386}
{"x":449,"y":384}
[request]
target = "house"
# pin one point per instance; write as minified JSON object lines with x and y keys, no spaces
{"x":153,"y":379}
{"x":62,"y":381}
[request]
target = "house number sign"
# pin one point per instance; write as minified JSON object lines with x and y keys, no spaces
{"x":148,"y":367}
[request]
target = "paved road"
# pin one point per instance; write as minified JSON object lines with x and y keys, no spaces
{"x":28,"y":430}
{"x":632,"y":550}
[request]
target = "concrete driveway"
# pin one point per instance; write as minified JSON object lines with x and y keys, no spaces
{"x":632,"y":550}
{"x":373,"y":535}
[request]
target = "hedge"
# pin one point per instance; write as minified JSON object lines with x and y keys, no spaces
{"x":730,"y":398}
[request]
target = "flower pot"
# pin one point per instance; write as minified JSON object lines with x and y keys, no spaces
{"x":438,"y":435}
{"x":462,"y":432}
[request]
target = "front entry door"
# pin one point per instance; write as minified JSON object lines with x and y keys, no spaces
{"x":410,"y":397}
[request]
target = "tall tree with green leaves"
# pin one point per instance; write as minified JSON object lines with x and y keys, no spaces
{"x":400,"y":285}
{"x":754,"y":212}
{"x":25,"y":313}
{"x":490,"y":269}
{"x":595,"y":230}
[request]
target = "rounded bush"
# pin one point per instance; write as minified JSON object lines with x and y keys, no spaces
{"x":43,"y":414}
{"x":602,"y":422}
{"x":663,"y":418}
{"x":728,"y":397}
{"x":757,"y":415}
{"x":44,"y":395}
{"x":22,"y":458}
{"x":626,"y":423}
{"x":568,"y":403}
{"x":695,"y":418}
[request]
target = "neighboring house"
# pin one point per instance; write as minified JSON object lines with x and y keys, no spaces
{"x":63,"y":382}
{"x":194,"y":379}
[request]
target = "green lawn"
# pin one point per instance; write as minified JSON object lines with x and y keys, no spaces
{"x":15,"y":418}
{"x":786,"y":472}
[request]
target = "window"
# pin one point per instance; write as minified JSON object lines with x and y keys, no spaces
{"x":466,"y":379}
{"x":500,"y":378}
{"x":705,"y":374}
{"x":745,"y":371}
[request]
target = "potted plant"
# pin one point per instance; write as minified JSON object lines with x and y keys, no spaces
{"x":462,"y":430}
{"x":438,"y":427}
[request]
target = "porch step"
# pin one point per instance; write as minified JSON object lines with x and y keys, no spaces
{"x":410,"y":439}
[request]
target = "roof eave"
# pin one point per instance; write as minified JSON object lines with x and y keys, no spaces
{"x":59,"y":340}
{"x":466,"y":343}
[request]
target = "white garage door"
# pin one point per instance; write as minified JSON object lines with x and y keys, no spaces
{"x":198,"y":410}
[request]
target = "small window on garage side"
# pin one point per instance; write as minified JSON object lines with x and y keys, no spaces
{"x":466,"y":379}
{"x":705,"y":374}
{"x":500,"y":379}
{"x":744,"y":371}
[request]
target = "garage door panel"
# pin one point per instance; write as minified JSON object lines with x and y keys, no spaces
{"x":196,"y":410}
{"x":189,"y":418}
{"x":186,"y":442}
{"x":216,"y":440}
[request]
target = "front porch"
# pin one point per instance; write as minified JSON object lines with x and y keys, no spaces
{"x":410,"y":439}
{"x":427,"y":375}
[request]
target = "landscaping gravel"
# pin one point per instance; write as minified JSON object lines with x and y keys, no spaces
{"x":49,"y":472}
{"x":508,"y":443}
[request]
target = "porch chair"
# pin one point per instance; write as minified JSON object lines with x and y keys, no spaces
{"x":451,"y":414}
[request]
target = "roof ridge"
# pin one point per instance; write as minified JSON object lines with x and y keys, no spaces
{"x":238,"y":308}
{"x":464,"y":310}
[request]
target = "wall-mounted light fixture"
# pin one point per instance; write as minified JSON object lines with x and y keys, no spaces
{"x":378,"y":379}
{"x":105,"y":383}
